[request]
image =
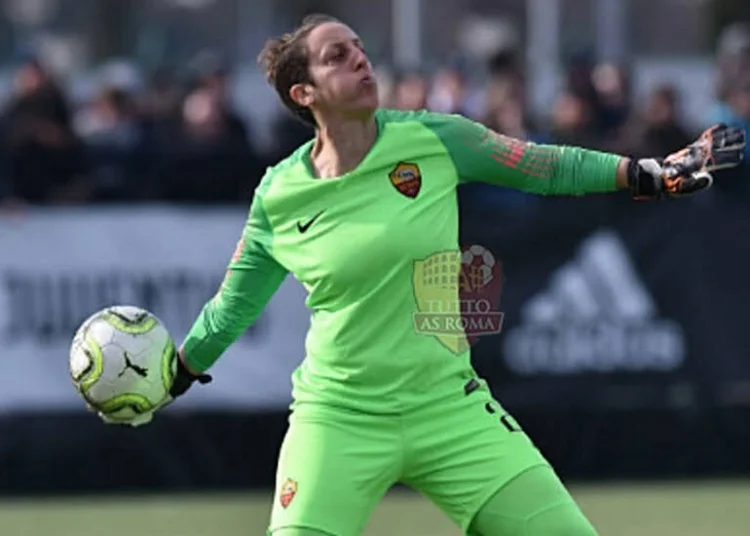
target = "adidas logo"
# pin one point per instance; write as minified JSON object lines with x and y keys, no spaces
{"x":595,"y":316}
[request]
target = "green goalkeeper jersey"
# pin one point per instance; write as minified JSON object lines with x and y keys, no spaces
{"x":359,"y":244}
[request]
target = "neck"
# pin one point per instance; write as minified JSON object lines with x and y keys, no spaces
{"x":340,"y":147}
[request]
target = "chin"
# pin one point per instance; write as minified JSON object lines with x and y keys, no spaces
{"x":366,"y":110}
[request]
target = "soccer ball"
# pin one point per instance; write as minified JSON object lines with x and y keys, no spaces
{"x":478,"y":258}
{"x":123,"y":362}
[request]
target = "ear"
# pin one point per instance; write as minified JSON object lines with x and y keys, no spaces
{"x":302,"y":94}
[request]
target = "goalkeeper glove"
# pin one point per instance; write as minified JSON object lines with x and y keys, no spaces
{"x":689,"y":170}
{"x":183,"y":380}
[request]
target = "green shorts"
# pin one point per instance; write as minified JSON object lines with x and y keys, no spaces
{"x":336,"y":465}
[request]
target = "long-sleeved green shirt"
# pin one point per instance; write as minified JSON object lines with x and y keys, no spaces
{"x":376,"y":250}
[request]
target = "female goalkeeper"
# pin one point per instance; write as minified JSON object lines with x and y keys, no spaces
{"x":352,"y":214}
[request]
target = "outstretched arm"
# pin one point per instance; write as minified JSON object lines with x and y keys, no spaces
{"x":480,"y":154}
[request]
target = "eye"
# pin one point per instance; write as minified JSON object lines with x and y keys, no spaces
{"x":336,"y":55}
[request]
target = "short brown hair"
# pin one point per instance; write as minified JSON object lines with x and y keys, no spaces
{"x":286,"y":63}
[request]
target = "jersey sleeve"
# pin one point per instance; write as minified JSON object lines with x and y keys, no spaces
{"x":479,"y":154}
{"x":252,"y":278}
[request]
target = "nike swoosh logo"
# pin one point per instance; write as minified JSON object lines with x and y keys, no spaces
{"x":303,"y":227}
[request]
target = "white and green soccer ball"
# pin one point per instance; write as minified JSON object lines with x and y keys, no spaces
{"x":123,"y":362}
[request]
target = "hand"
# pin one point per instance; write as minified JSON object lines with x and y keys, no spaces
{"x":689,"y":170}
{"x":183,"y":380}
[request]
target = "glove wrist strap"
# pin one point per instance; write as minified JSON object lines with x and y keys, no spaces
{"x":642,"y":184}
{"x":184,"y":379}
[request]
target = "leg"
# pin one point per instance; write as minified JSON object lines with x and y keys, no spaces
{"x":334,"y":467}
{"x":465,"y":448}
{"x":535,"y":503}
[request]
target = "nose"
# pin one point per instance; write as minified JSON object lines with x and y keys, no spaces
{"x":360,"y":60}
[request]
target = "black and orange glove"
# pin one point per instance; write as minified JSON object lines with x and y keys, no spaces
{"x":689,"y":170}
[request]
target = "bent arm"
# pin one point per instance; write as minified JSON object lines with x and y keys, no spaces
{"x":252,"y":278}
{"x":481,"y":154}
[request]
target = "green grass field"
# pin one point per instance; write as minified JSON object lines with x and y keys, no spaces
{"x":644,"y":510}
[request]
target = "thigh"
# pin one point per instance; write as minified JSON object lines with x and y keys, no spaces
{"x":334,"y":467}
{"x":533,"y":504}
{"x":465,"y":449}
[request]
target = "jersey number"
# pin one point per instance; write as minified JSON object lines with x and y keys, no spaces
{"x":506,"y":419}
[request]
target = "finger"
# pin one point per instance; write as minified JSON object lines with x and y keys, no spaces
{"x":730,"y":142}
{"x":725,"y":159}
{"x":674,"y":157}
{"x":673,"y":185}
{"x":697,"y":182}
{"x":735,"y":138}
{"x":726,"y":138}
{"x":683,"y":167}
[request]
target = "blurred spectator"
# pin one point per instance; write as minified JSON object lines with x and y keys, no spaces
{"x":45,"y":159}
{"x":733,"y":103}
{"x":508,"y":118}
{"x":181,"y":139}
{"x":732,"y":57}
{"x":410,"y":92}
{"x":288,"y":134}
{"x":580,"y":81}
{"x":505,"y":110}
{"x":738,"y":101}
{"x":736,"y":111}
{"x":449,"y":92}
{"x":657,"y":129}
{"x":612,"y":103}
{"x":733,"y":78}
{"x":109,"y":119}
{"x":159,"y":106}
{"x":210,"y":159}
{"x":213,"y":75}
{"x":113,"y":133}
{"x":573,"y":122}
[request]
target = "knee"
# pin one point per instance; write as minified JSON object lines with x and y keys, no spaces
{"x":562,"y":520}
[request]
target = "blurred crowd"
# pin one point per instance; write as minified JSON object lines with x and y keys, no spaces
{"x":183,"y":141}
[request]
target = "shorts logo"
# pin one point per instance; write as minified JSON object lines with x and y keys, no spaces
{"x":407,"y":179}
{"x":288,"y":491}
{"x":457,"y":294}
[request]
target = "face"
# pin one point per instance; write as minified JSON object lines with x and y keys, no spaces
{"x":29,"y":79}
{"x":411,"y":94}
{"x":343,"y":80}
{"x":570,"y":112}
{"x":660,"y":110}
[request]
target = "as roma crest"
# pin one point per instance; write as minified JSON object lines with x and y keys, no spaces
{"x":406,"y":178}
{"x":287,"y":492}
{"x":457,"y":295}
